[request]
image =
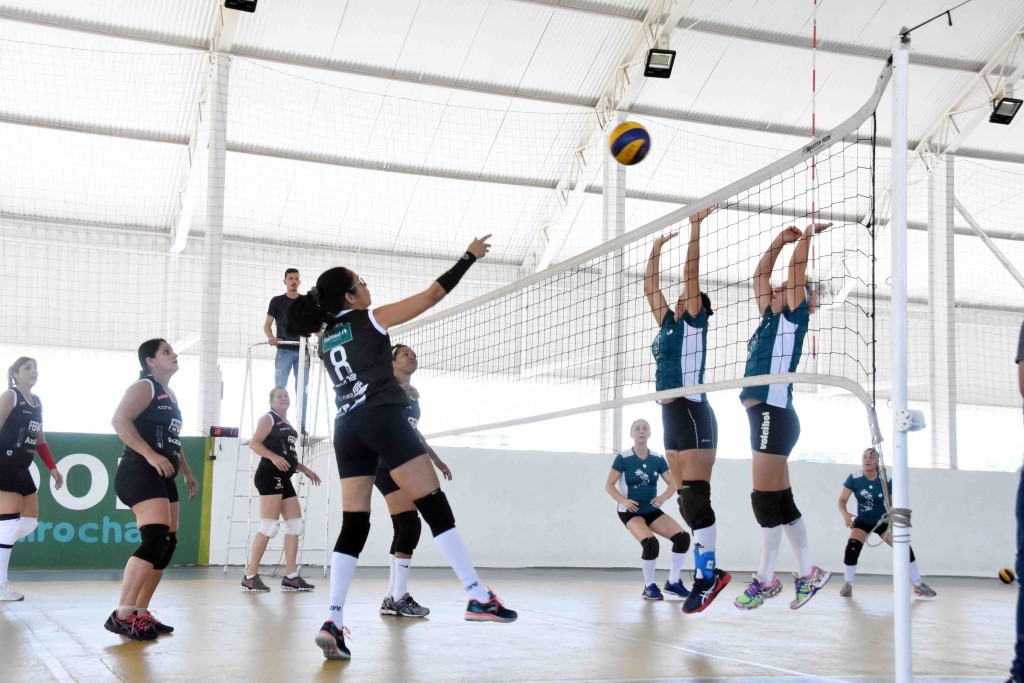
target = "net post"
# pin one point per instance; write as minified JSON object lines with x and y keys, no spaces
{"x":901,"y":490}
{"x":614,"y":218}
{"x":942,"y":313}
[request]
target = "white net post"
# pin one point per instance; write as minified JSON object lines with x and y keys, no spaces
{"x":614,"y":221}
{"x":942,"y":314}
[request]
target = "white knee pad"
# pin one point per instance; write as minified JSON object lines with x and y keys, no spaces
{"x":26,"y":525}
{"x":294,"y":527}
{"x":268,"y":527}
{"x":9,"y":531}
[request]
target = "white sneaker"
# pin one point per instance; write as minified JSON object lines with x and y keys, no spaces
{"x":8,"y":594}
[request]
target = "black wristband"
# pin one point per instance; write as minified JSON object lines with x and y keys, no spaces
{"x":451,"y":278}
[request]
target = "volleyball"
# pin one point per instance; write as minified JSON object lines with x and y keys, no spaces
{"x":630,"y":142}
{"x":1007,"y":575}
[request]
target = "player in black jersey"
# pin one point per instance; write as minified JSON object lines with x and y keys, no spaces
{"x":148,"y":420}
{"x":372,"y":424}
{"x":274,"y":441}
{"x":404,"y":518}
{"x":21,"y":438}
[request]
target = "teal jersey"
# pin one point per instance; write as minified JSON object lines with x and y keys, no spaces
{"x":679,"y":351}
{"x":638,"y":478}
{"x":776,"y":346}
{"x":870,"y":499}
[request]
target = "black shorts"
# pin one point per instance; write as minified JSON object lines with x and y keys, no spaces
{"x":371,"y":434}
{"x":773,"y":429}
{"x":648,"y":517}
{"x":689,"y":425}
{"x":383,"y":481}
{"x":136,"y":481}
{"x":271,"y":481}
{"x":868,"y":527}
{"x":16,"y":480}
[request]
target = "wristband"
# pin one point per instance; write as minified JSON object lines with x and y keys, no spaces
{"x":44,"y":454}
{"x":451,"y":278}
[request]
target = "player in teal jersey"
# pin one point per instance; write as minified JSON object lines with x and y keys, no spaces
{"x":633,"y":484}
{"x":691,"y":429}
{"x":871,"y":517}
{"x":775,"y":347}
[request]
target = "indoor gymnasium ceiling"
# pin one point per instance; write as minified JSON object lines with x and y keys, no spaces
{"x":742,"y":77}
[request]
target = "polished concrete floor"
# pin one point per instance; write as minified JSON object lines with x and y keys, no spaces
{"x":574,"y":625}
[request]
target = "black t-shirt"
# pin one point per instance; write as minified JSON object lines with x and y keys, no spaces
{"x":281,"y":441}
{"x":159,"y":424}
{"x":357,"y":354}
{"x":20,"y":434}
{"x":278,"y":310}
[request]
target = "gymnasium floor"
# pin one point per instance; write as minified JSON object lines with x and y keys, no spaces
{"x":574,"y":625}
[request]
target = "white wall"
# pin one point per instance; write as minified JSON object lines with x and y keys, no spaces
{"x":537,"y":509}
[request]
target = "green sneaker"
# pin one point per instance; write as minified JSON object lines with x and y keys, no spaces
{"x":807,"y":586}
{"x":756,"y":593}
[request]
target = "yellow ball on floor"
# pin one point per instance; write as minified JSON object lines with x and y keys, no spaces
{"x":1007,"y":575}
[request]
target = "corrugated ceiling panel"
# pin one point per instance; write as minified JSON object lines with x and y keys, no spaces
{"x":306,"y":28}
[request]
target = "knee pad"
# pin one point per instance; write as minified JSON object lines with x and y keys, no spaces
{"x":651,"y":548}
{"x":355,"y":529}
{"x":394,"y":537}
{"x":154,"y":543}
{"x":26,"y":525}
{"x":269,"y":527}
{"x":680,"y":542}
{"x":9,"y":524}
{"x":172,"y":543}
{"x":409,"y":529}
{"x":912,"y":558}
{"x":766,"y":508}
{"x":436,"y":511}
{"x":294,"y":527}
{"x":853,"y":548}
{"x":787,"y":507}
{"x":695,"y":502}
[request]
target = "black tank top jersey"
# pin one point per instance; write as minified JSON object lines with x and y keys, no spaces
{"x":357,"y":355}
{"x":159,"y":424}
{"x":414,"y":412}
{"x":281,"y":441}
{"x":20,"y":434}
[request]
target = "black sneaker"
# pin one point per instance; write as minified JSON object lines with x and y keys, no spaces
{"x":492,"y":610}
{"x":296,"y":584}
{"x":130,"y":627}
{"x":332,"y":641}
{"x":705,"y":590}
{"x":161,"y":628}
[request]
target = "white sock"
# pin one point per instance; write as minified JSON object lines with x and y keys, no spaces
{"x":391,"y":577}
{"x":915,"y":573}
{"x":771,"y":538}
{"x":706,"y":537}
{"x":247,"y":577}
{"x":796,"y":532}
{"x":648,"y":566}
{"x":293,"y":575}
{"x":343,"y":567}
{"x":5,"y":558}
{"x":26,"y":525}
{"x":849,"y":571}
{"x":8,"y":537}
{"x":401,"y":586}
{"x":676,"y":567}
{"x":454,"y":550}
{"x":124,"y":610}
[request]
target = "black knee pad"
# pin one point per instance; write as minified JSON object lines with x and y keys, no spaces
{"x":912,"y":558}
{"x":766,"y":508}
{"x":788,"y":508}
{"x":436,"y":511}
{"x":680,"y":542}
{"x":394,"y":538}
{"x":355,"y":529}
{"x":651,"y":548}
{"x":154,"y":543}
{"x":853,"y":548}
{"x":408,"y":534}
{"x":172,"y":543}
{"x":695,"y":503}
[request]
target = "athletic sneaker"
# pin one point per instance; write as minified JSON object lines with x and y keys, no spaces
{"x":332,"y":641}
{"x":677,"y":589}
{"x":652,"y":592}
{"x":296,"y":584}
{"x":706,"y":590}
{"x":492,"y":610}
{"x":8,"y":594}
{"x":847,"y":590}
{"x":807,"y":586}
{"x":388,"y":606}
{"x":161,"y":628}
{"x":254,"y":585}
{"x":408,"y":607}
{"x":130,"y":627}
{"x":924,"y":591}
{"x":756,"y":593}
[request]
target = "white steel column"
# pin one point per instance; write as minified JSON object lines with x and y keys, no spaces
{"x":900,"y":490}
{"x":942,"y":313}
{"x":614,"y":219}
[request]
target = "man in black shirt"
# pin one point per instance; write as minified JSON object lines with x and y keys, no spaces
{"x":287,"y":359}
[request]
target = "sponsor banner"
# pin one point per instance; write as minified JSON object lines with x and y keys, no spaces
{"x":83,"y":525}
